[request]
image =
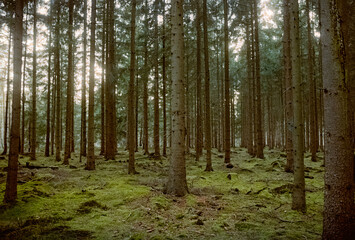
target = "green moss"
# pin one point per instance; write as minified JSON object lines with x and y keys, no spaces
{"x":191,"y":200}
{"x":251,"y":201}
{"x":160,"y":202}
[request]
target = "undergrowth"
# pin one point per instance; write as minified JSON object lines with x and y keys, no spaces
{"x":252,"y":200}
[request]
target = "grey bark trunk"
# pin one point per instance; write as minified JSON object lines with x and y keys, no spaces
{"x":177,"y":184}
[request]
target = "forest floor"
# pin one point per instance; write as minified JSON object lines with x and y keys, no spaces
{"x":250,"y":201}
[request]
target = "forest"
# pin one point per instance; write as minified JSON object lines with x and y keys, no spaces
{"x":172,"y":119}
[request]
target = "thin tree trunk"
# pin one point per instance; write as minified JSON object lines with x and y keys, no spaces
{"x":259,"y":132}
{"x":288,"y":87}
{"x":208,"y":142}
{"x":136,"y":94}
{"x":298,"y":195}
{"x":312,"y":89}
{"x":83,"y":89}
{"x":220,"y":98}
{"x":145,"y":84}
{"x":102,"y":97}
{"x":188,"y":125}
{"x":250,"y":94}
{"x":253,"y":81}
{"x":131,"y":107}
{"x":58,"y":127}
{"x":22,"y":138}
{"x":156,"y":84}
{"x":90,"y":165}
{"x":48,"y":123}
{"x":11,"y":181}
{"x":54,"y":110}
{"x":199,"y":134}
{"x":164,"y":84}
{"x":34,"y":87}
{"x":227,"y":134}
{"x":69,"y":106}
{"x":7,"y":96}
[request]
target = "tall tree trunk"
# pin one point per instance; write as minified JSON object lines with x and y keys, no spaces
{"x":321,"y":101}
{"x":288,"y":86}
{"x":58,"y":127}
{"x":259,"y":132}
{"x":156,"y":84}
{"x":22,"y":138}
{"x":131,"y":107}
{"x":48,"y":120}
{"x":250,"y":94}
{"x":164,"y":83}
{"x":208,"y":139}
{"x":11,"y":181}
{"x":339,"y":157}
{"x":199,"y":134}
{"x":253,"y":80}
{"x":347,"y":9}
{"x":104,"y":68}
{"x":83,"y":88}
{"x":298,"y":195}
{"x":90,"y":165}
{"x":227,"y":134}
{"x":220,"y":98}
{"x":312,"y":89}
{"x":34,"y":87}
{"x":53,"y":110}
{"x":177,"y":184}
{"x":136,"y":110}
{"x":7,"y":96}
{"x":111,"y":140}
{"x":145,"y":83}
{"x":69,"y":107}
{"x":188,"y":120}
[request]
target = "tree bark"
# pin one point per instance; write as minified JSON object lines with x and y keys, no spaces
{"x":250,"y":111}
{"x":288,"y":87}
{"x":58,"y":127}
{"x":69,"y":105}
{"x":298,"y":195}
{"x":164,"y":84}
{"x":156,"y":84}
{"x":131,"y":107}
{"x":22,"y":138}
{"x":34,"y":87}
{"x":104,"y":68}
{"x":187,"y":102}
{"x":7,"y":97}
{"x":347,"y":9}
{"x":208,"y":140}
{"x":177,"y":184}
{"x":90,"y":165}
{"x":83,"y":88}
{"x":312,"y":90}
{"x":259,"y":131}
{"x":48,"y":120}
{"x":338,"y":222}
{"x":199,"y":134}
{"x":111,"y":140}
{"x":227,"y":133}
{"x":145,"y":84}
{"x":11,"y":180}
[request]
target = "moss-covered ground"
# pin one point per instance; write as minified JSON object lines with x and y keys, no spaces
{"x":250,"y":201}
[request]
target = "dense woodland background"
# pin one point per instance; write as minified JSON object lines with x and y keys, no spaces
{"x":82,"y":82}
